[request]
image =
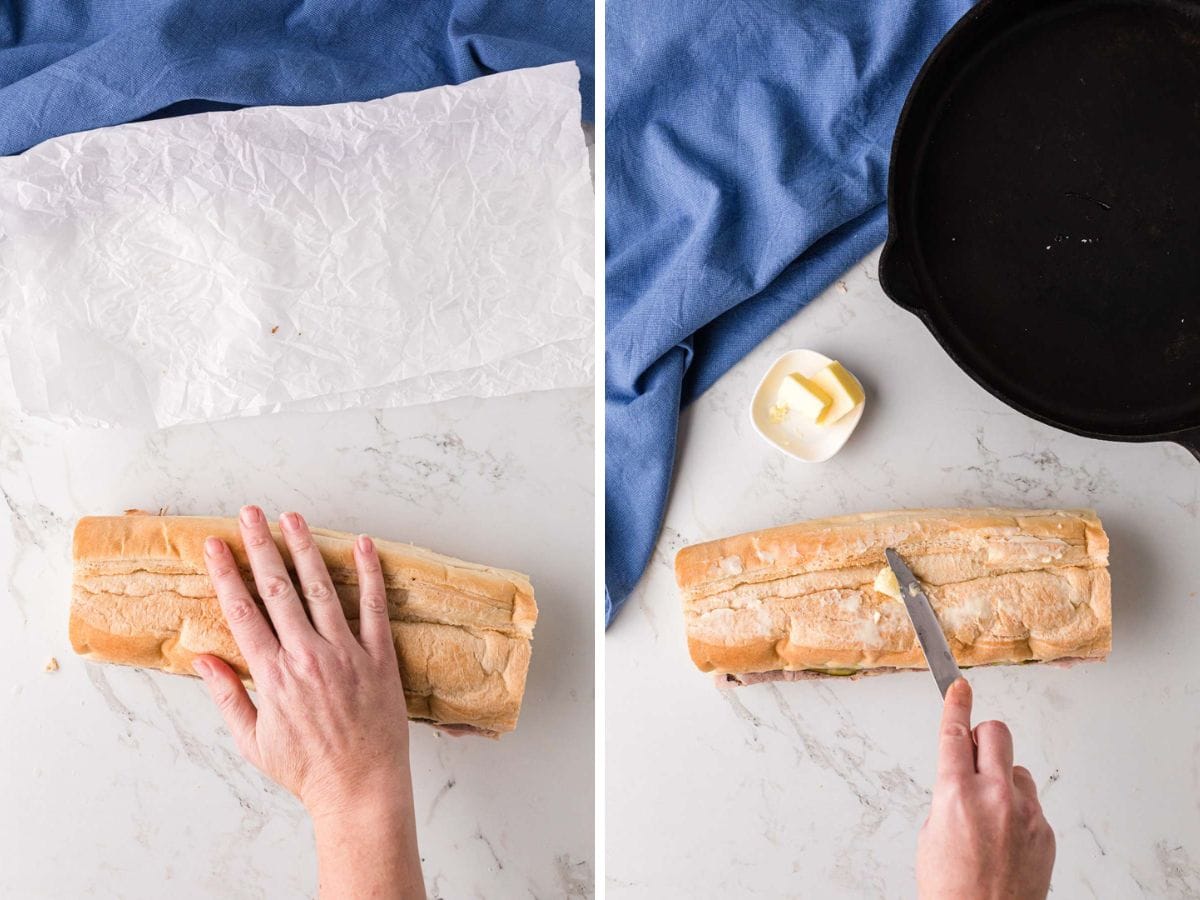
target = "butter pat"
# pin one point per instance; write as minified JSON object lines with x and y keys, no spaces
{"x":886,"y":583}
{"x":801,"y":396}
{"x":842,"y":389}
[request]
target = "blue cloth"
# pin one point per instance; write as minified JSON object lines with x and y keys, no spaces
{"x":746,"y":163}
{"x":70,"y":65}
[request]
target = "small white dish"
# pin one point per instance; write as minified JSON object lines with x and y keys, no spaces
{"x":806,"y":441}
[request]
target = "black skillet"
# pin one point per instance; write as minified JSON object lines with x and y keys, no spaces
{"x":1044,"y":211}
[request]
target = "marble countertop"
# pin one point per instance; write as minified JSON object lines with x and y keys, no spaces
{"x":117,"y":782}
{"x":818,"y":789}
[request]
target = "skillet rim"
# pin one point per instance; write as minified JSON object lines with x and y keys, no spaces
{"x":898,"y":276}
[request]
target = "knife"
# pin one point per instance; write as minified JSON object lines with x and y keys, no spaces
{"x":929,"y":631}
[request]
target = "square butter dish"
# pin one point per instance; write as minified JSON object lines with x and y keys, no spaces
{"x":806,"y":441}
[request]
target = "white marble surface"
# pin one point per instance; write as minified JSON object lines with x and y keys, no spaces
{"x":118,"y":782}
{"x":818,"y":789}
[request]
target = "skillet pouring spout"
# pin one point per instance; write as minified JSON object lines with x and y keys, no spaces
{"x":896,"y":275}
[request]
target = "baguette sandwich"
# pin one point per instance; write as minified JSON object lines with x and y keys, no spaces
{"x":811,"y":600}
{"x":142,"y":597}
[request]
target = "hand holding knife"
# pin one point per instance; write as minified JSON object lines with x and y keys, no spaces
{"x":986,"y":835}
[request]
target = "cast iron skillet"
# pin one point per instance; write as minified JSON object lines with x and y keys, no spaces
{"x":1044,"y":211}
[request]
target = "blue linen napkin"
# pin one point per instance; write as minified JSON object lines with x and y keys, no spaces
{"x":746,"y":163}
{"x":70,"y":65}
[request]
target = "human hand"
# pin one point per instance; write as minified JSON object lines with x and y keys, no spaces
{"x":330,"y":723}
{"x":985,"y":836}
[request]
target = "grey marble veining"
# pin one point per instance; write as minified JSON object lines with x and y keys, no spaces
{"x":124,"y":783}
{"x":817,"y":789}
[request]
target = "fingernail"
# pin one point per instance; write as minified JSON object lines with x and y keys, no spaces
{"x":365,"y":544}
{"x":203,"y":667}
{"x":251,"y":515}
{"x":214,"y":546}
{"x":290,"y":521}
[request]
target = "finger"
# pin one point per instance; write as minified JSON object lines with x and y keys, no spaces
{"x":375,"y":628}
{"x":994,"y":756}
{"x":249,"y":627}
{"x":1025,"y":785}
{"x":231,"y":698}
{"x":324,"y":607}
{"x":272,"y":579}
{"x":956,"y":749}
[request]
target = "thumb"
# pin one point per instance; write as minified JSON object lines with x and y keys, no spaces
{"x":233,"y":701}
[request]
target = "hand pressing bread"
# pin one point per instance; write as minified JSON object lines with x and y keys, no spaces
{"x":462,"y":631}
{"x":330,"y":722}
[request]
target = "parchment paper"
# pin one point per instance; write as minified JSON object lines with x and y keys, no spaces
{"x":404,"y":250}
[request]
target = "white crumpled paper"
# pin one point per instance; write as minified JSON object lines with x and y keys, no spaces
{"x":404,"y":250}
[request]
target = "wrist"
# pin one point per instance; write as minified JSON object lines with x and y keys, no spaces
{"x":367,"y":847}
{"x":366,"y":803}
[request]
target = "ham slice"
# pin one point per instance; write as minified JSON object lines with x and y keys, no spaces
{"x":750,"y":678}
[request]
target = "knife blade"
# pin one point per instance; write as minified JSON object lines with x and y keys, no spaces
{"x":929,"y":630}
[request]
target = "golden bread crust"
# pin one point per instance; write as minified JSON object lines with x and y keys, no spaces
{"x":141,"y":596}
{"x":1008,"y":585}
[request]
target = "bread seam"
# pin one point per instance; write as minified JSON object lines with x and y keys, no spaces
{"x":352,"y":615}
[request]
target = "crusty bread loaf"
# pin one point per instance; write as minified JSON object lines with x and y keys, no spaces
{"x":1008,"y":586}
{"x":142,"y":597}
